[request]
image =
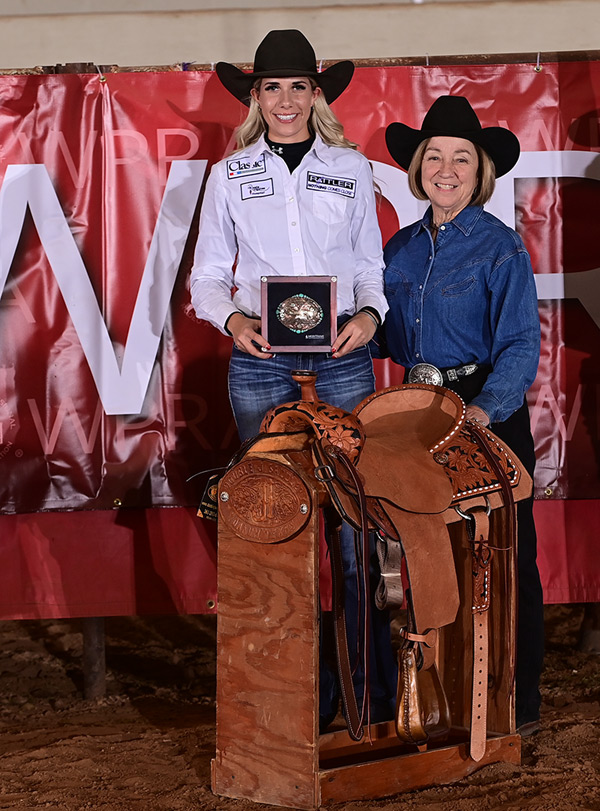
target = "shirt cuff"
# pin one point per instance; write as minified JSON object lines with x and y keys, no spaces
{"x":488,"y":403}
{"x":225,"y":327}
{"x":372,"y":311}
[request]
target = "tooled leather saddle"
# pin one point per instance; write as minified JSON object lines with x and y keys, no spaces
{"x":404,"y":465}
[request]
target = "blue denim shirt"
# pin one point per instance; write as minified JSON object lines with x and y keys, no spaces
{"x":470,"y":297}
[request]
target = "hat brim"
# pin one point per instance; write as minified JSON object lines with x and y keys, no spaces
{"x":500,"y":144}
{"x":332,"y":81}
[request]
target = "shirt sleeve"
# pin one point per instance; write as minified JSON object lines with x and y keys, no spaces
{"x":211,"y":280}
{"x":366,"y":245}
{"x":515,"y":326}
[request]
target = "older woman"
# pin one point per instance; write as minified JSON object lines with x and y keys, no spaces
{"x":463,"y":314}
{"x":295,"y":199}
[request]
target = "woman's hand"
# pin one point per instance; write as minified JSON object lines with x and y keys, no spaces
{"x":476,"y":414}
{"x":246,"y":334}
{"x":356,"y":332}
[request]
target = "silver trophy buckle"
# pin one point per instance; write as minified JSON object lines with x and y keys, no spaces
{"x":425,"y":373}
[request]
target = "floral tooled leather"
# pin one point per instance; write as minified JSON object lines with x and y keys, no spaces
{"x":332,"y":425}
{"x":469,"y":470}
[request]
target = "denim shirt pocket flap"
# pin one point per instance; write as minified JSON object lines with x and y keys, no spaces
{"x":459,"y":288}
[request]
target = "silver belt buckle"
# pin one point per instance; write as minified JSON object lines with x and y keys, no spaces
{"x":425,"y":373}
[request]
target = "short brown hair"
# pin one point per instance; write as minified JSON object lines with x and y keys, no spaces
{"x":486,"y":175}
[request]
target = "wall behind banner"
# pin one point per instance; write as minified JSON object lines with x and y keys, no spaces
{"x":99,"y":184}
{"x":146,"y":32}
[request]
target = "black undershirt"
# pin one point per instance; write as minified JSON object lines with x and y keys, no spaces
{"x":292,"y":154}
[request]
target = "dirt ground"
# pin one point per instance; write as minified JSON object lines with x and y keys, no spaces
{"x":148,"y":744}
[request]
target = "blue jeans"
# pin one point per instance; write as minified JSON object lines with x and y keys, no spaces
{"x":258,"y":384}
{"x":255,"y":386}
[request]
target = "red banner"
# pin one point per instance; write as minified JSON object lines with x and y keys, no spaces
{"x":112,"y":394}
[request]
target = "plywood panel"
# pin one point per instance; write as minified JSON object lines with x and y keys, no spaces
{"x":267,"y":668}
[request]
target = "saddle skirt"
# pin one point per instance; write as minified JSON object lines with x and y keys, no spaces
{"x":411,"y":448}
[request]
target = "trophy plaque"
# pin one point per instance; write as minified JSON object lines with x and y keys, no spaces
{"x":299,"y":313}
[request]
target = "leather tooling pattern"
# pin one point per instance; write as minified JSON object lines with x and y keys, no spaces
{"x":264,"y":501}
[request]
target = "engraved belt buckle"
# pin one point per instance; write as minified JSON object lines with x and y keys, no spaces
{"x":425,"y":373}
{"x":299,"y":313}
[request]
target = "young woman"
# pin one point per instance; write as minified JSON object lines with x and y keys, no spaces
{"x":295,"y":199}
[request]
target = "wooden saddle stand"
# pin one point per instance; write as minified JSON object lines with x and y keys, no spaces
{"x":439,"y":493}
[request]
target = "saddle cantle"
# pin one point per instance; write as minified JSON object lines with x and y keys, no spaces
{"x":405,"y":464}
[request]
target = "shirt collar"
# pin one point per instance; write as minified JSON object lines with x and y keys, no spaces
{"x":465,"y":220}
{"x":257,"y":148}
{"x":321,"y":149}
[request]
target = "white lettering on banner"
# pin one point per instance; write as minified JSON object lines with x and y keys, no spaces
{"x":121,"y":387}
{"x":123,"y":147}
{"x":393,"y":183}
{"x":546,"y":395}
{"x":79,"y":177}
{"x":66,"y":408}
{"x":585,"y":285}
{"x":136,"y":139}
{"x":19,"y":301}
{"x":64,"y":414}
{"x":190,"y":424}
{"x":165,"y":157}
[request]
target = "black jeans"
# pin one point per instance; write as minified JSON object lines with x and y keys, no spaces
{"x":516,"y":432}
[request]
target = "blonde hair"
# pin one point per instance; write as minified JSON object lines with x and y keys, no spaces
{"x":322,"y":121}
{"x":486,"y":175}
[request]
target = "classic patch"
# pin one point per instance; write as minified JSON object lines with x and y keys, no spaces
{"x":240,"y":167}
{"x":257,"y":188}
{"x":338,"y":185}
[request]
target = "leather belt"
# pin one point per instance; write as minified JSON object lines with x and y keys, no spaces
{"x":428,"y":373}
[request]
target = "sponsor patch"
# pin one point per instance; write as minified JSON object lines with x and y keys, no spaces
{"x":338,"y":185}
{"x":257,"y":188}
{"x":243,"y":166}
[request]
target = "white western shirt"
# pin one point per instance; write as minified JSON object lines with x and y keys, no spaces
{"x":320,"y":220}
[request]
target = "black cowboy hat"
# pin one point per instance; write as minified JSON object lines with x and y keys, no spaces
{"x":281,"y":54}
{"x":453,"y":116}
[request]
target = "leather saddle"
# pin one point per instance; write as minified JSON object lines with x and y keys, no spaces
{"x":403,"y":465}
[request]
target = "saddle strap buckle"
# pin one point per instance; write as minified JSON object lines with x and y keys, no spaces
{"x":471,"y":515}
{"x":324,"y":474}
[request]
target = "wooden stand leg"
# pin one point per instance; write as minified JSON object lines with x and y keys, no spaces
{"x":267,"y":668}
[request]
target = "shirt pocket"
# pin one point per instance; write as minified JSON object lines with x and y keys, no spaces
{"x":329,"y":207}
{"x":459,"y":288}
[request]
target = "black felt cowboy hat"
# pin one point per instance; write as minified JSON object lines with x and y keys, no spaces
{"x":281,"y":54}
{"x":453,"y":116}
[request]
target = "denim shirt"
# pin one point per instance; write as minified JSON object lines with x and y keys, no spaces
{"x":470,"y":297}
